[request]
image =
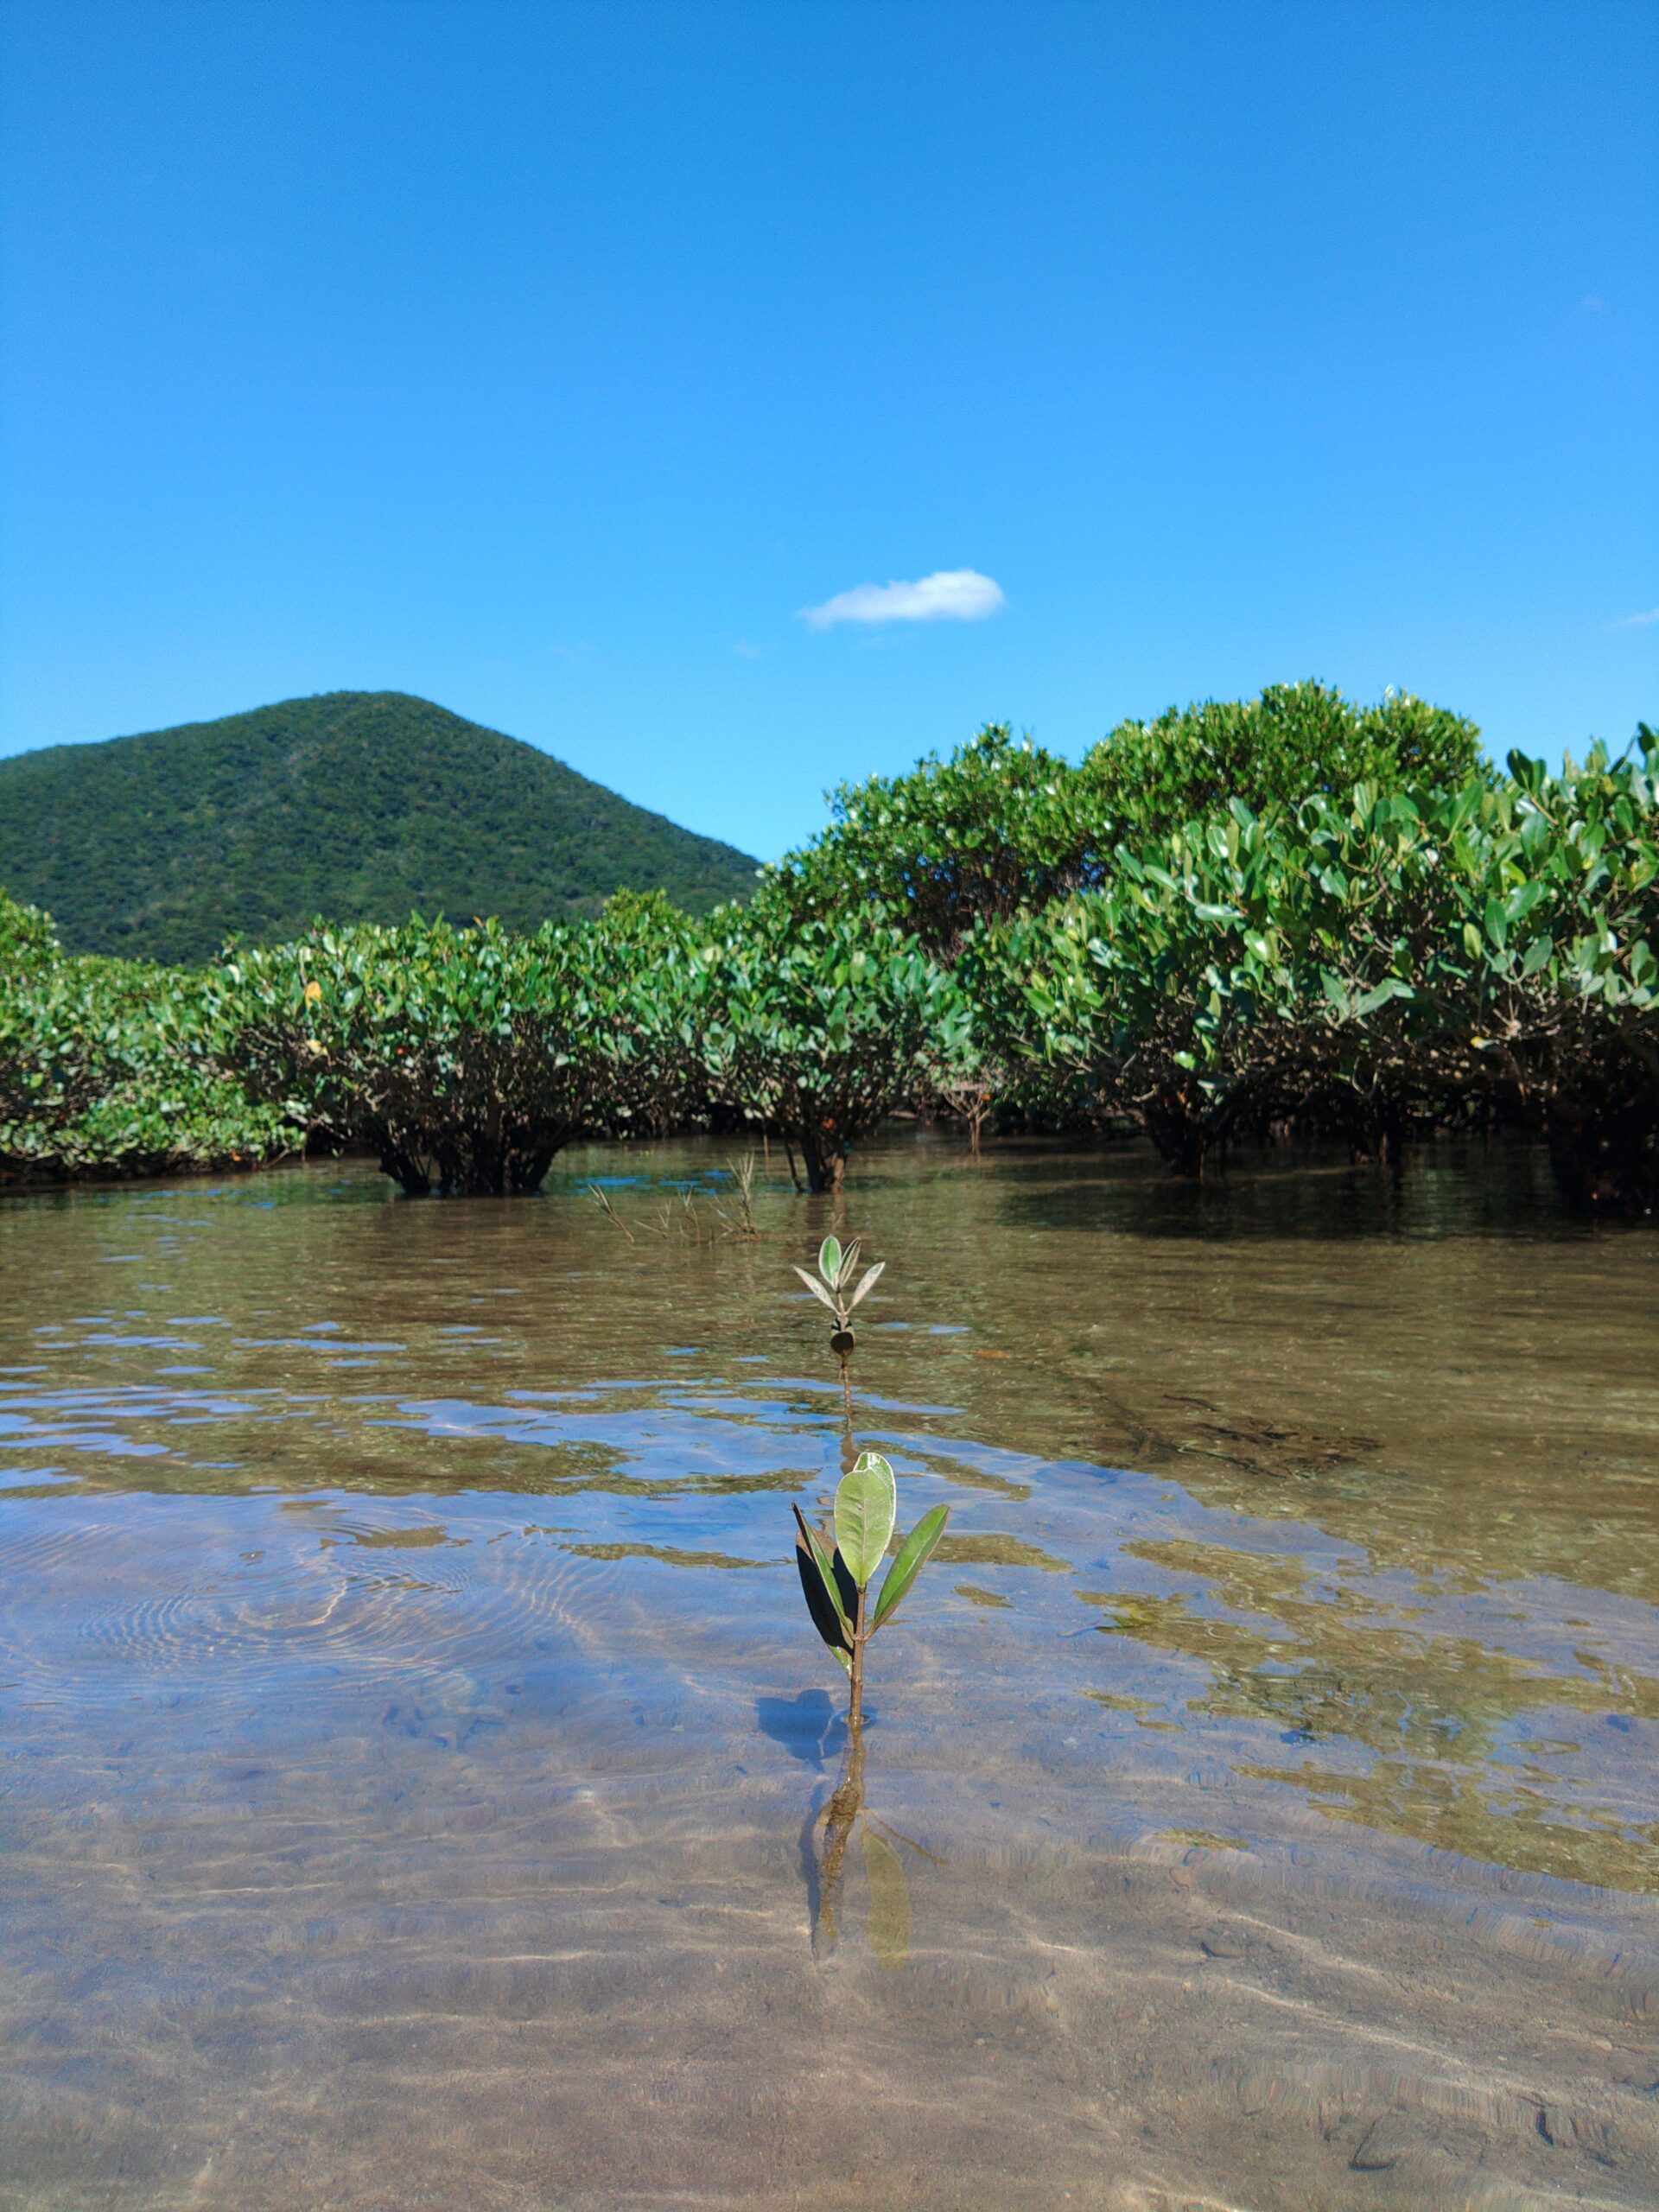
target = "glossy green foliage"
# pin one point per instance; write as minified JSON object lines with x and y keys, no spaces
{"x":1483,"y":951}
{"x":835,"y":1581}
{"x":466,"y":1058}
{"x":26,"y":935}
{"x":362,"y":805}
{"x":642,"y":980}
{"x":913,"y":1554}
{"x":107,"y":1068}
{"x":1208,"y":931}
{"x":837,"y":1284}
{"x":998,"y":826}
{"x":1296,"y":741}
{"x":832,"y":1606}
{"x":816,"y":1030}
{"x":1001,"y":827}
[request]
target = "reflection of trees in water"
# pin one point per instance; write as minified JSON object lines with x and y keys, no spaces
{"x":1313,"y":1192}
{"x":1238,"y":1339}
{"x":1436,"y":1710}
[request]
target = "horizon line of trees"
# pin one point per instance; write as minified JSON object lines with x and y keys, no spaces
{"x":1241,"y":923}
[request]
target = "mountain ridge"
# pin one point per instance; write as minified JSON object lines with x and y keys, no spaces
{"x":357,"y":805}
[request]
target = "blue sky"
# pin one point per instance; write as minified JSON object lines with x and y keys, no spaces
{"x":549,"y":361}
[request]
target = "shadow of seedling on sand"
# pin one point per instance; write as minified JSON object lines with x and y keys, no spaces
{"x":807,"y":1726}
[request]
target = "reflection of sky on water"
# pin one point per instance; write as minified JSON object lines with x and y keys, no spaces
{"x":1404,"y":1699}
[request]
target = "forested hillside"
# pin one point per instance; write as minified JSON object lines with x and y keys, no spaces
{"x":361,"y":805}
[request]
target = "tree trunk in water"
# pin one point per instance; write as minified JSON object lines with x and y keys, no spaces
{"x":1379,"y":1141}
{"x":472,"y":1167}
{"x":1606,"y":1163}
{"x":826,"y":1161}
{"x":405,"y":1169}
{"x":528,"y":1168}
{"x":1179,"y":1137}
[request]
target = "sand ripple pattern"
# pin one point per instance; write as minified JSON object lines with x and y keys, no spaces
{"x":97,"y":1610}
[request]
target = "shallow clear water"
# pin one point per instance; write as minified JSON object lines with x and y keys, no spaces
{"x":414,"y":1748}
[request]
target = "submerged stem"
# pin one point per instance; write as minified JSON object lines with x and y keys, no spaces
{"x":855,"y":1710}
{"x":839,"y":1817}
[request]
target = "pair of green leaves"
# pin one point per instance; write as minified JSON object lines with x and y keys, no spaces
{"x":866,"y":1503}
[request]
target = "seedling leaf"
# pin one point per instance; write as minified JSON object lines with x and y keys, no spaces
{"x":820,"y":1601}
{"x":869,"y":1282}
{"x":846,"y":1588}
{"x":914,"y":1555}
{"x":866,"y":1503}
{"x":830,"y":1260}
{"x":816,"y":1289}
{"x":844,"y":1591}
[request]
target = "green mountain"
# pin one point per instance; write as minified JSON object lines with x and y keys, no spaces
{"x":359,"y":805}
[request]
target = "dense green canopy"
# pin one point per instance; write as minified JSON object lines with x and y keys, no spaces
{"x":1364,"y":966}
{"x":1001,"y":825}
{"x":1296,"y":917}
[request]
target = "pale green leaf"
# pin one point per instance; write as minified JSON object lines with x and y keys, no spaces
{"x":866,"y":1503}
{"x":816,"y":1289}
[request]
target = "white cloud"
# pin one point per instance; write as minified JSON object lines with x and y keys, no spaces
{"x":948,"y":595}
{"x":1637,"y":621}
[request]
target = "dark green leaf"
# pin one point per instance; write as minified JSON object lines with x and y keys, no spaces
{"x":819,"y":1592}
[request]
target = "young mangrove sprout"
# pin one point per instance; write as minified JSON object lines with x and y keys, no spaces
{"x":837,"y":1569}
{"x":836,"y":1583}
{"x":837,"y":1267}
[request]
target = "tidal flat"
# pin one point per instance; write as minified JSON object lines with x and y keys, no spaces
{"x":413,"y":1746}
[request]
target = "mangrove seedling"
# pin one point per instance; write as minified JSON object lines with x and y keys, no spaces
{"x":837,"y":1267}
{"x":837,"y":1577}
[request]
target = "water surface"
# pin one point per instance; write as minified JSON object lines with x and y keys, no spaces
{"x":415,"y":1751}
